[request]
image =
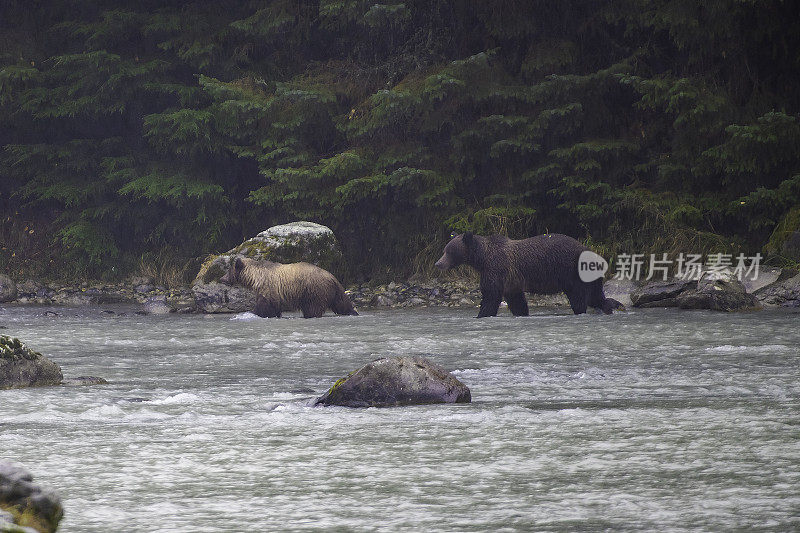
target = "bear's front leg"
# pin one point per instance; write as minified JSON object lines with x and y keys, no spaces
{"x":491,"y":295}
{"x":267,"y":307}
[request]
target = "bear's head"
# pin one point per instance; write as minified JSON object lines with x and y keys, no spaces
{"x":457,"y":251}
{"x":232,"y":276}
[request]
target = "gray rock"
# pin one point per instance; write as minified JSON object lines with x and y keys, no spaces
{"x":396,"y":381}
{"x":143,"y":289}
{"x":620,"y":290}
{"x":718,"y":293}
{"x":766,"y":276}
{"x":22,"y":367}
{"x":30,"y":506}
{"x":785,"y":293}
{"x":182,"y":301}
{"x":8,"y":289}
{"x":221,"y":298}
{"x":157,"y":305}
{"x":661,"y":293}
{"x":382,"y":300}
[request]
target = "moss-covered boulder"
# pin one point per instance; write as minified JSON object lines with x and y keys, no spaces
{"x":396,"y":381}
{"x":22,"y":367}
{"x":25,"y":506}
{"x":287,"y":243}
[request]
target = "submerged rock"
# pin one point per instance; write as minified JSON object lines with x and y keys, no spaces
{"x":396,"y":381}
{"x":22,"y":367}
{"x":82,"y":381}
{"x":25,"y":506}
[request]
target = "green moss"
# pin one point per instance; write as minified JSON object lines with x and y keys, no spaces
{"x":13,"y":348}
{"x":25,"y":517}
{"x":785,"y":228}
{"x":339,"y":383}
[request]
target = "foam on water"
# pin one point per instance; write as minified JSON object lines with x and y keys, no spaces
{"x":657,"y":420}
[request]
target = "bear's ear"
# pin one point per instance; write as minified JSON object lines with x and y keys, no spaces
{"x":469,"y":239}
{"x":238,"y":264}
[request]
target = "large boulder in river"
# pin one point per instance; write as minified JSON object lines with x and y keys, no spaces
{"x":8,"y":289}
{"x":287,"y":243}
{"x":396,"y":381}
{"x":718,"y":291}
{"x":22,"y":367}
{"x":24,"y":506}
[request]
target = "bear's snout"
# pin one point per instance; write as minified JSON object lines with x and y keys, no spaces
{"x":443,"y":263}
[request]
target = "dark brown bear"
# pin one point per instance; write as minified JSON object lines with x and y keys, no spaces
{"x":546,"y":264}
{"x":287,"y":287}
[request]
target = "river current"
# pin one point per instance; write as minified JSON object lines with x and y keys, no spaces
{"x":656,"y":420}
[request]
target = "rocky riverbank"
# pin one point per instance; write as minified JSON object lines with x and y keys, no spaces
{"x":154,"y":299}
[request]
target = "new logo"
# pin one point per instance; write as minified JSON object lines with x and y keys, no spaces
{"x":591,"y":266}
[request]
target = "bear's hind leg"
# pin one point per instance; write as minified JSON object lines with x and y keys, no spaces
{"x":517,"y":304}
{"x":577,"y":300}
{"x":312,"y":310}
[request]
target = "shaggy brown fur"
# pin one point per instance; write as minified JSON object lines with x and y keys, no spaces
{"x":289,"y":287}
{"x":545,"y":264}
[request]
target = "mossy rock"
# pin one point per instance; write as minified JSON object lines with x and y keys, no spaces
{"x":22,"y":367}
{"x":396,"y":381}
{"x":29,"y":507}
{"x":785,"y":239}
{"x":287,"y":243}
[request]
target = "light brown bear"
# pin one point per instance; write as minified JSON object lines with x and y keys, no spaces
{"x":287,"y":287}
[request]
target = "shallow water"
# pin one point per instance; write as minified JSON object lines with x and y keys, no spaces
{"x":645,"y":420}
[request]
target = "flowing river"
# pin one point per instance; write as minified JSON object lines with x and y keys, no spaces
{"x":657,"y":420}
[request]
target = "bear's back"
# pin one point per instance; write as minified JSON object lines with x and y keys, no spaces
{"x":548,"y":263}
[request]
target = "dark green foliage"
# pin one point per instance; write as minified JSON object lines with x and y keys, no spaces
{"x":647,"y":126}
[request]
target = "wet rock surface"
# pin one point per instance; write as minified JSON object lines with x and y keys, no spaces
{"x":396,"y":381}
{"x":25,"y":506}
{"x":716,"y":291}
{"x":83,"y":381}
{"x":783,"y":293}
{"x":220,"y":298}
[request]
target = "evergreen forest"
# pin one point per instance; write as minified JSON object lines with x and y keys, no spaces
{"x":154,"y":132}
